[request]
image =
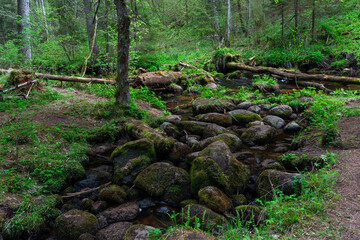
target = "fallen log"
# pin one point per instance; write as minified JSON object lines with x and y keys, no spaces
{"x":157,"y":79}
{"x":185,"y":65}
{"x":84,"y":191}
{"x":292,"y":75}
{"x":318,"y":86}
{"x":66,"y":78}
{"x":18,"y":86}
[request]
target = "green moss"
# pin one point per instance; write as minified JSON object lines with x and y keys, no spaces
{"x":243,"y":119}
{"x":113,"y":193}
{"x":140,"y":147}
{"x":238,"y":199}
{"x":205,"y":172}
{"x":214,"y":198}
{"x":249,"y":213}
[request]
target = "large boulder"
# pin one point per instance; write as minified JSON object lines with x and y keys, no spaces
{"x":217,"y":118}
{"x":215,"y":199}
{"x":70,"y":225}
{"x":235,"y":171}
{"x":274,"y":121}
{"x":163,"y":180}
{"x":208,"y":219}
{"x":115,"y":231}
{"x":283,"y":111}
{"x":243,"y":117}
{"x":207,"y":105}
{"x":130,"y":158}
{"x":125,"y":212}
{"x":259,"y":134}
{"x":269,"y":180}
{"x":231,"y":140}
{"x":169,"y":129}
{"x":187,"y":234}
{"x":139,"y":130}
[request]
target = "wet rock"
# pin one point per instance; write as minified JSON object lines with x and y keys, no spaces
{"x":138,"y":232}
{"x":238,"y":199}
{"x":115,"y":231}
{"x":139,"y":130}
{"x":231,"y":140}
{"x":173,"y":118}
{"x":130,"y":158}
{"x":70,"y":225}
{"x":113,"y":194}
{"x":86,"y":236}
{"x":270,"y":179}
{"x":125,"y":212}
{"x":174,"y":88}
{"x":274,"y":121}
{"x":235,"y":171}
{"x":169,"y":129}
{"x":254,"y":109}
{"x":283,"y":111}
{"x":206,"y":105}
{"x":259,"y":135}
{"x":213,"y":130}
{"x":207,"y":217}
{"x":243,"y":117}
{"x":244,"y":105}
{"x":223,"y":120}
{"x":95,"y":177}
{"x":193,"y":127}
{"x":292,"y":127}
{"x":146,"y":203}
{"x":214,"y":199}
{"x":251,"y":213}
{"x":187,"y":234}
{"x":163,"y":180}
{"x":179,"y":152}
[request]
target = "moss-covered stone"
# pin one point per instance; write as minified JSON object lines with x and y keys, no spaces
{"x":231,"y":140}
{"x":179,"y":152}
{"x":242,"y":117}
{"x":139,"y":130}
{"x":206,"y":172}
{"x":188,"y":201}
{"x":214,"y":199}
{"x":238,"y":199}
{"x":208,"y":218}
{"x":269,"y":180}
{"x":235,"y":172}
{"x":203,"y":79}
{"x":193,"y":127}
{"x":275,"y":166}
{"x":137,"y":232}
{"x":186,"y":234}
{"x":259,"y":134}
{"x":113,"y":194}
{"x":217,"y":118}
{"x":130,"y":158}
{"x":207,"y":105}
{"x":251,"y":213}
{"x":172,"y":184}
{"x":283,"y":111}
{"x":70,"y":225}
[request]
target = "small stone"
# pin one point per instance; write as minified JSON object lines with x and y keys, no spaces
{"x":292,"y":127}
{"x":274,"y":121}
{"x":244,"y":105}
{"x":254,"y":109}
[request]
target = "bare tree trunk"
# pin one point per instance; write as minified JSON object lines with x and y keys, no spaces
{"x":217,"y":21}
{"x":228,"y":24}
{"x":122,"y":93}
{"x":90,"y":24}
{"x":23,"y":27}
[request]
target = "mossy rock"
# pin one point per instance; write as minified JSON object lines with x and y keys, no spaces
{"x":214,"y":199}
{"x":269,"y":180}
{"x":213,"y":130}
{"x":139,"y":130}
{"x":193,"y":127}
{"x":70,"y":225}
{"x":238,"y":199}
{"x":231,"y":140}
{"x":207,"y":105}
{"x":179,"y":152}
{"x":132,"y":157}
{"x":188,"y":201}
{"x":250,"y":213}
{"x":259,"y":134}
{"x":235,"y":171}
{"x":283,"y":111}
{"x":302,"y":162}
{"x":275,"y":166}
{"x":217,"y":118}
{"x":206,"y":172}
{"x":113,"y":194}
{"x":163,"y":180}
{"x":104,"y":135}
{"x":186,"y":234}
{"x":209,"y":220}
{"x":138,"y":231}
{"x":242,"y":117}
{"x":203,"y":79}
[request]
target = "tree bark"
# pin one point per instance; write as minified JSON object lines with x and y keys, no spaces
{"x":313,"y":22}
{"x":228,"y":24}
{"x":217,"y":21}
{"x":292,"y":75}
{"x":157,"y":79}
{"x":241,"y":17}
{"x":23,"y":27}
{"x":122,"y":93}
{"x":90,"y":24}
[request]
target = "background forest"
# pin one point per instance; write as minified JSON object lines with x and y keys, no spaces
{"x":297,"y":33}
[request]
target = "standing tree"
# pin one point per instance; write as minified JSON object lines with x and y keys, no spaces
{"x":228,"y":23}
{"x":122,"y":82}
{"x":90,"y":25}
{"x":24,"y":24}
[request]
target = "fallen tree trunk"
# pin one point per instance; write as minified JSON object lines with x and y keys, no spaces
{"x":18,"y":86}
{"x":318,"y":86}
{"x":65,"y":78}
{"x":157,"y":79}
{"x":292,"y":75}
